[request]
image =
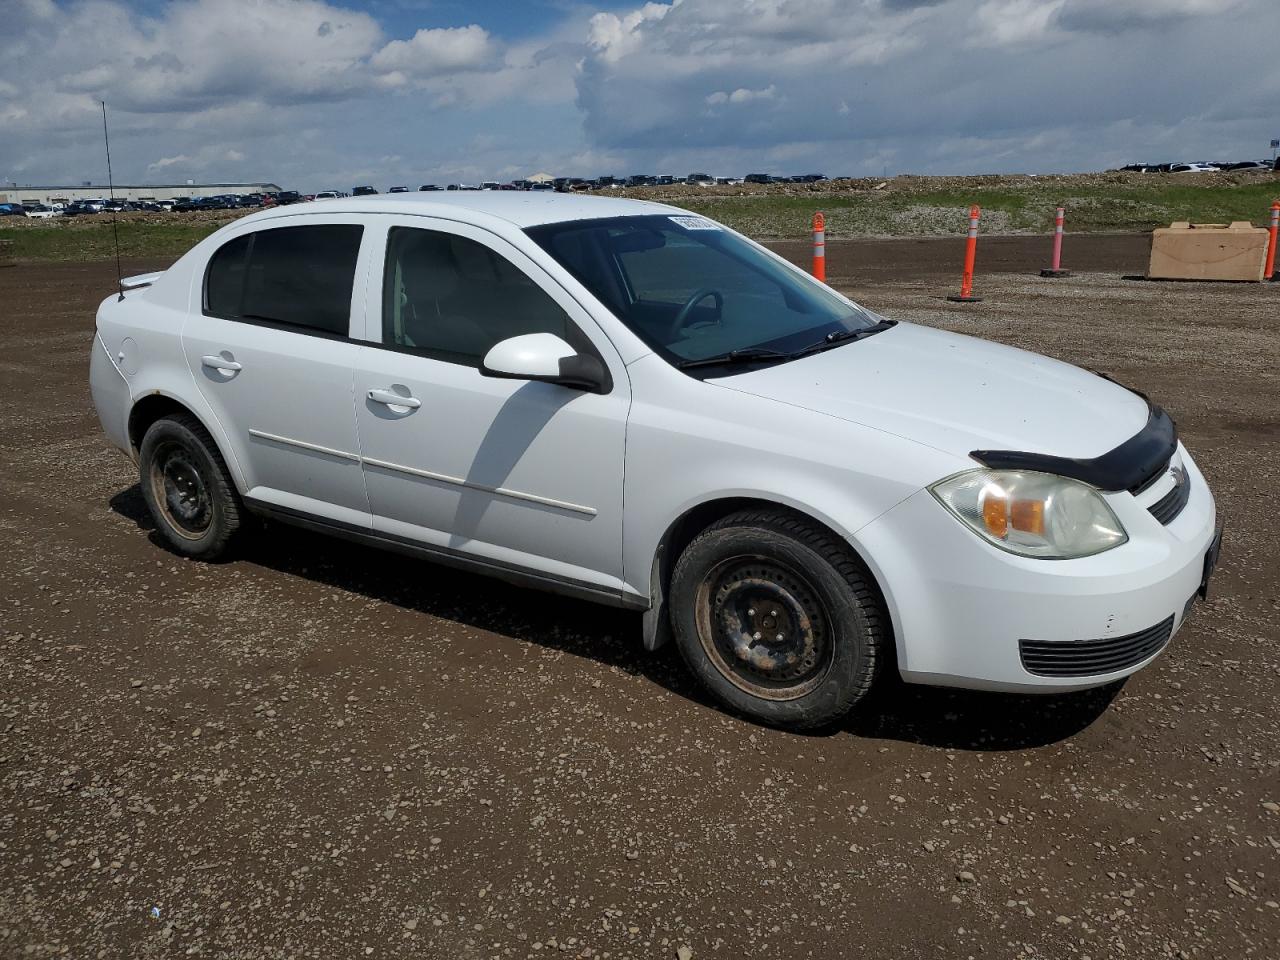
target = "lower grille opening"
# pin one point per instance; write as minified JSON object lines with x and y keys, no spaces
{"x":1088,"y":658}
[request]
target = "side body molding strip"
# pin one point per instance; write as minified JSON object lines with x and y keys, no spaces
{"x":520,"y":576}
{"x":1130,"y":466}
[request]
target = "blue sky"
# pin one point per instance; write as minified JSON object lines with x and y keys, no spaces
{"x":324,"y":94}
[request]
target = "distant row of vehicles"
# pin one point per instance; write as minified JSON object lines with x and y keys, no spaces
{"x":572,"y":184}
{"x":94,"y":205}
{"x":1203,"y":166}
{"x":231,"y":201}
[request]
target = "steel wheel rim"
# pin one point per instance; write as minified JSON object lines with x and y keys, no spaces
{"x":764,"y":627}
{"x":180,"y":491}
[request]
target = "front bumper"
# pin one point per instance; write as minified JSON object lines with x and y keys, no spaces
{"x":960,"y":607}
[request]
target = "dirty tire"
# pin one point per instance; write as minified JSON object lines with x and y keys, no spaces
{"x":778,"y":618}
{"x":187,"y":488}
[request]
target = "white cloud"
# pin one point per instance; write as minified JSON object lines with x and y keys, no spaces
{"x":613,"y":36}
{"x":1003,"y":22}
{"x":180,"y":160}
{"x":742,"y":95}
{"x":435,"y":52}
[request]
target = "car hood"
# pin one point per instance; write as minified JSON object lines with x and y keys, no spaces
{"x":956,"y":394}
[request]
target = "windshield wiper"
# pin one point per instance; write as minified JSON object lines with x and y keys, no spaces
{"x":837,"y":337}
{"x":745,"y":355}
{"x":764,"y":355}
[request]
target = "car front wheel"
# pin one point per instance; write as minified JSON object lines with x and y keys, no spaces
{"x":778,"y":618}
{"x":187,"y":488}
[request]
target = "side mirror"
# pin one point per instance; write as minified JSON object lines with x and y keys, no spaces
{"x":546,"y":358}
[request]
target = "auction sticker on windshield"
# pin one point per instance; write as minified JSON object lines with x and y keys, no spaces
{"x":694,"y":223}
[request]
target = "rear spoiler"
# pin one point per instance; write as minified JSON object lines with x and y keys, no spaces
{"x":140,"y":281}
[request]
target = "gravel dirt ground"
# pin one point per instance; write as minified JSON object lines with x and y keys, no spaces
{"x":317,"y":750}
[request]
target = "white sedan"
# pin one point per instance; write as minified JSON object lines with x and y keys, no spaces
{"x":622,"y":401}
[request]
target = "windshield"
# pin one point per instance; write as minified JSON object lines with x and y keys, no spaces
{"x":692,"y":289}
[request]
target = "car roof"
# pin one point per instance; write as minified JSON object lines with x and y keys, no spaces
{"x":523,"y":209}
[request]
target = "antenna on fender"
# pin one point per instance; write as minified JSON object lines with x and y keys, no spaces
{"x":111,"y":187}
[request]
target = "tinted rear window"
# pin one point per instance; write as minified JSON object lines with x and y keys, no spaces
{"x":294,"y":276}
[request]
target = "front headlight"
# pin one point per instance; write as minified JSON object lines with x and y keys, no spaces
{"x":1032,"y":514}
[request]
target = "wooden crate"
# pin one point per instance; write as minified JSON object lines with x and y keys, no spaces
{"x":1208,"y":251}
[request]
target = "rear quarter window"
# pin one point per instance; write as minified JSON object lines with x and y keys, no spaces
{"x":296,"y":277}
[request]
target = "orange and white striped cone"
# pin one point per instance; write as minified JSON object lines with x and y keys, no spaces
{"x":1056,"y":270}
{"x":820,"y":246}
{"x":1269,"y":271}
{"x":970,"y":253}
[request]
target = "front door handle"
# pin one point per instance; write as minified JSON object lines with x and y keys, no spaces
{"x":221,"y":363}
{"x":393,"y":399}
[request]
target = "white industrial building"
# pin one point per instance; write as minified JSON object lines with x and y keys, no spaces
{"x":150,"y":191}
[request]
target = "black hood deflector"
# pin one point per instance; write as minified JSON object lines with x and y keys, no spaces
{"x":1130,"y":466}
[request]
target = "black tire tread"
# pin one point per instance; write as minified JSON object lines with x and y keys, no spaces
{"x":221,"y":486}
{"x":864,"y":594}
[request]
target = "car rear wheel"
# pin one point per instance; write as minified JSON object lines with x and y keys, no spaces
{"x":777,"y":618}
{"x":187,"y":488}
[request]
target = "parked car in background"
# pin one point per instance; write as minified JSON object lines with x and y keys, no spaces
{"x":757,"y":178}
{"x":196,"y":204}
{"x":327,"y":195}
{"x":12,"y":210}
{"x":427,"y":188}
{"x":489,"y":185}
{"x":700,"y":179}
{"x":542,"y":187}
{"x":1250,"y":165}
{"x":1192,"y":168}
{"x":363,"y":191}
{"x":398,"y":190}
{"x":41,"y":211}
{"x":80,"y":208}
{"x":286,"y":197}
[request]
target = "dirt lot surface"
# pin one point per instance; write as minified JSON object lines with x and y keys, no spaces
{"x":321,"y":751}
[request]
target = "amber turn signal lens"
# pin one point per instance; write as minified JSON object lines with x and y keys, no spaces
{"x":995,"y":514}
{"x":1028,"y":516}
{"x":1001,"y":515}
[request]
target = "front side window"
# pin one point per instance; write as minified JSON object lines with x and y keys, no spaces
{"x":692,"y":289}
{"x":297,"y":277}
{"x":452,"y":298}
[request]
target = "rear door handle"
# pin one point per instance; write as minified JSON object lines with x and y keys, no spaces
{"x":393,"y":399}
{"x":220,"y":363}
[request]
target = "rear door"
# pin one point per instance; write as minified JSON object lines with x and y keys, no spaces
{"x":508,"y":473}
{"x":271,"y":351}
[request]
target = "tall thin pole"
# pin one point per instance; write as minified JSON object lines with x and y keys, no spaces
{"x":111,"y":187}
